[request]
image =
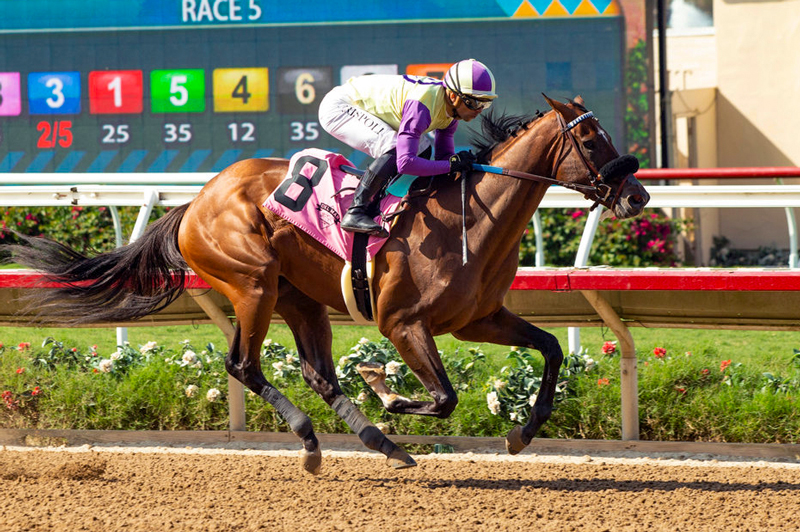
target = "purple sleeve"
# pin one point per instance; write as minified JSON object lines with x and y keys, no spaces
{"x":416,"y":119}
{"x":443,"y":145}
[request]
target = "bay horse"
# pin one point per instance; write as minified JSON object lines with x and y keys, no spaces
{"x":263,"y":264}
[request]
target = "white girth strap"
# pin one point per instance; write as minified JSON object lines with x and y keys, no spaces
{"x":349,"y":298}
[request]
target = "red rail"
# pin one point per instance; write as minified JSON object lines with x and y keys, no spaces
{"x":686,"y":279}
{"x":559,"y":280}
{"x":718,"y":173}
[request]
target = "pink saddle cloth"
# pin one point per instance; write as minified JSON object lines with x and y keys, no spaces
{"x":307,"y":198}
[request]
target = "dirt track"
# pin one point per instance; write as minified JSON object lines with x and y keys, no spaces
{"x":111,"y":489}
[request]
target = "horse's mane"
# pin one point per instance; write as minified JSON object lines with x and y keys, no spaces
{"x":497,"y":129}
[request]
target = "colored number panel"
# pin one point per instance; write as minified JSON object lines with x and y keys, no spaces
{"x":301,"y":89}
{"x":241,"y":90}
{"x":431,"y":70}
{"x":115,"y":92}
{"x":349,"y":71}
{"x":54,"y":93}
{"x":10,"y":98}
{"x":178,"y":91}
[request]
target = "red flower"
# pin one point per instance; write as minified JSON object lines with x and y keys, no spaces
{"x":724,"y":364}
{"x":20,"y":371}
{"x":659,"y":352}
{"x":36,"y":391}
{"x":602,"y":382}
{"x":23,"y":346}
{"x":681,"y":390}
{"x":609,"y":347}
{"x":705,"y":371}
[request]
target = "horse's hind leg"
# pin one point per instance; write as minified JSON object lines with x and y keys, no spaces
{"x":506,"y":328}
{"x":253,"y":311}
{"x":311,"y":327}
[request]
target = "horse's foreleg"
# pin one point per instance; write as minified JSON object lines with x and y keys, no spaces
{"x":244,"y":363}
{"x":505,"y":328}
{"x":311,"y":327}
{"x":416,"y":346}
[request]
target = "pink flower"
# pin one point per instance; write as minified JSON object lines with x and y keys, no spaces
{"x":577,"y":214}
{"x":724,"y":365}
{"x":609,"y":348}
{"x":659,"y":352}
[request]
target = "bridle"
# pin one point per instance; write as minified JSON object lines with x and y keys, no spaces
{"x":598,"y":190}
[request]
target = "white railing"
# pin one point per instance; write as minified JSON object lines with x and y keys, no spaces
{"x":145,"y":191}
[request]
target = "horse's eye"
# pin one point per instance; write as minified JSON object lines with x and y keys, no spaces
{"x":589,"y":145}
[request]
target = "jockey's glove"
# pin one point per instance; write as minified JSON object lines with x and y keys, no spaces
{"x":461,"y":162}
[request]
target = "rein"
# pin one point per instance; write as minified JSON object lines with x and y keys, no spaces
{"x":597,"y":190}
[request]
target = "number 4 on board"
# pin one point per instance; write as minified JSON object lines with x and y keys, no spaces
{"x":241,"y":90}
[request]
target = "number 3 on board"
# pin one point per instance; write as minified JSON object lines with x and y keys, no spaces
{"x":241,"y":90}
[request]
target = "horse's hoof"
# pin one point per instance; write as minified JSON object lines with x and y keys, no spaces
{"x":399,"y":459}
{"x":514,"y":443}
{"x":311,"y":461}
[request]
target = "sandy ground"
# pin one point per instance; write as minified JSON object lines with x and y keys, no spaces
{"x":166,"y":489}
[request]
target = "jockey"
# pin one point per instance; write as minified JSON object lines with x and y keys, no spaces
{"x":388,"y":116}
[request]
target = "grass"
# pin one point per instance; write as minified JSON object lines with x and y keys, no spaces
{"x":684,"y":396}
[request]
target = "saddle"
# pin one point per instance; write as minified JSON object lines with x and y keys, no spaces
{"x":314,"y":195}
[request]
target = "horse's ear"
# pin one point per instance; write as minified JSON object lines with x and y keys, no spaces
{"x":579,"y":101}
{"x":551,"y":103}
{"x":560,"y":108}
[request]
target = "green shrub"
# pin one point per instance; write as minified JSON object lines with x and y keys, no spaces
{"x":649,"y":240}
{"x":683,"y":396}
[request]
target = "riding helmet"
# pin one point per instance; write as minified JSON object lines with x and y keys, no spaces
{"x":471,"y":78}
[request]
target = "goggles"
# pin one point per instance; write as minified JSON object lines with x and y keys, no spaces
{"x":474,"y":104}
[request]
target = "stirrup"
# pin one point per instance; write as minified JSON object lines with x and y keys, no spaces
{"x":362,"y":223}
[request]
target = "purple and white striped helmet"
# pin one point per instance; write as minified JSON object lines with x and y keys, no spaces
{"x":471,"y":78}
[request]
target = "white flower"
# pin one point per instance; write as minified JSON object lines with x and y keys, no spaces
{"x":363,"y":341}
{"x":189,"y":357}
{"x":185,"y":341}
{"x":589,"y":362}
{"x":343,"y":361}
{"x":289,"y":359}
{"x":268,"y":342}
{"x":105,"y":365}
{"x":362,"y":396}
{"x":146,"y":348}
{"x":213,"y":394}
{"x":512,"y":416}
{"x":383,"y":427}
{"x":116,"y":355}
{"x":278,"y":366}
{"x":393,"y":367}
{"x":532,"y":399}
{"x":499,"y":384}
{"x":493,"y":402}
{"x":191,"y":390}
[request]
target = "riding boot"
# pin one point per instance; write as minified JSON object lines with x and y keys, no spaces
{"x":358,"y":218}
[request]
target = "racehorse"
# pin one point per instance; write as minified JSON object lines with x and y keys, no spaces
{"x":422,"y":289}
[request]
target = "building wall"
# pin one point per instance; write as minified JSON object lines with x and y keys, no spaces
{"x":733,"y":88}
{"x":758,"y":79}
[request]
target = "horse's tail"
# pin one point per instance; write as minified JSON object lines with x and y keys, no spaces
{"x":124,"y":284}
